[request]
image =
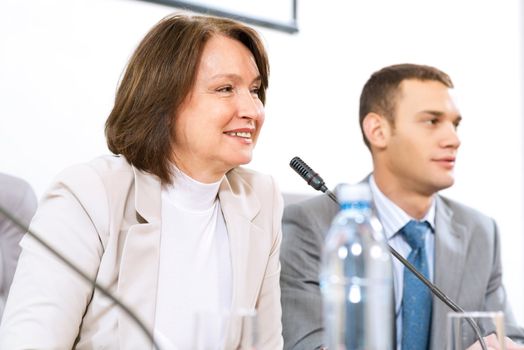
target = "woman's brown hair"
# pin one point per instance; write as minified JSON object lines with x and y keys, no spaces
{"x":158,"y":77}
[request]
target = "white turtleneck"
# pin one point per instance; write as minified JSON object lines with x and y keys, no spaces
{"x":195,"y":264}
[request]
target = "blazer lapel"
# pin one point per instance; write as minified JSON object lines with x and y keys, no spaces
{"x":138,"y":275}
{"x":239,"y":207}
{"x":451,"y":239}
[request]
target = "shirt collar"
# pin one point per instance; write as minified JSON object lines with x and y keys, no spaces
{"x":392,"y":217}
{"x":190,"y":194}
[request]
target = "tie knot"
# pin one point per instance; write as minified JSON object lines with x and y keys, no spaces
{"x":415,"y":232}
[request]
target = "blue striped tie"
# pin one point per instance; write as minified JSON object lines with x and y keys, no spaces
{"x":416,"y":297}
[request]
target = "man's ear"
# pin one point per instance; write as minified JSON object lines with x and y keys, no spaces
{"x":377,"y":130}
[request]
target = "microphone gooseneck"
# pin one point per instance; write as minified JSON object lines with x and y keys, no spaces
{"x":315,"y":181}
{"x":77,"y":270}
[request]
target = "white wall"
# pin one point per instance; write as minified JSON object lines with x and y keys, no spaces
{"x":60,"y":61}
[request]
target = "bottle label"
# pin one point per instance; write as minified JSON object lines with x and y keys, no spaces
{"x":357,"y":205}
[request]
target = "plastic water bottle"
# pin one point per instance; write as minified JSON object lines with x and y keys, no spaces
{"x":356,"y":278}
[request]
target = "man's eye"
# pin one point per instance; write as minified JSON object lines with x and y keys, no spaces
{"x":255,"y":90}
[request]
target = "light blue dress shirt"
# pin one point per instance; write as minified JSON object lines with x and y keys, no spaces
{"x":393,"y":219}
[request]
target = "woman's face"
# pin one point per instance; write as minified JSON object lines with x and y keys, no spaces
{"x":217,"y":125}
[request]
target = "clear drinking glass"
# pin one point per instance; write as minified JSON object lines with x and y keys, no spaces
{"x":464,"y":329}
{"x":235,"y":330}
{"x":243,"y":330}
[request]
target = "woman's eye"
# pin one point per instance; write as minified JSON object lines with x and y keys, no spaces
{"x":255,"y":90}
{"x":227,"y":88}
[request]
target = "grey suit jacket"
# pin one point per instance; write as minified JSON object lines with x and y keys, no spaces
{"x":467,"y":268}
{"x":105,"y":216}
{"x":17,"y":197}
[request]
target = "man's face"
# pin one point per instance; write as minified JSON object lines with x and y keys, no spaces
{"x":422,"y":144}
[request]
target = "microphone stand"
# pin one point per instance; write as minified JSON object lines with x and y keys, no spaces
{"x":76,"y":269}
{"x":315,"y":181}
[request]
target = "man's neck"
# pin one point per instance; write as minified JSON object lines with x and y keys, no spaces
{"x":414,"y":203}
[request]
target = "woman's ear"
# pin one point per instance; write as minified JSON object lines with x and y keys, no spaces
{"x":377,"y":130}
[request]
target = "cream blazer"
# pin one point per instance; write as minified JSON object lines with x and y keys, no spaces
{"x":105,"y":217}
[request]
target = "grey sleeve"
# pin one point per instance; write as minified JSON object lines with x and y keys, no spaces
{"x":19,"y":199}
{"x":496,"y":298}
{"x":300,"y":259}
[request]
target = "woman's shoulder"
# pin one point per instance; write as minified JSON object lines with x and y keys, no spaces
{"x":251,"y":182}
{"x":250,"y":176}
{"x":108,"y":165}
{"x":106,"y":168}
{"x":102,"y":177}
{"x":245,"y":180}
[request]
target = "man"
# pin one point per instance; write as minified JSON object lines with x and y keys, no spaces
{"x":409,"y":123}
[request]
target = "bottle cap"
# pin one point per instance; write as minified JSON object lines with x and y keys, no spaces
{"x":359,"y":192}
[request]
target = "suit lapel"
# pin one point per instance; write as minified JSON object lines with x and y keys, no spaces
{"x":239,"y":207}
{"x":138,"y":275}
{"x":451,"y":240}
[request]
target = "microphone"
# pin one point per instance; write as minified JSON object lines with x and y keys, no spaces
{"x":315,"y":181}
{"x":76,"y":269}
{"x":312,"y":178}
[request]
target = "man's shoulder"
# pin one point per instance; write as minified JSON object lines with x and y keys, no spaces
{"x":464,"y":213}
{"x":320,"y":202}
{"x":318,"y":210}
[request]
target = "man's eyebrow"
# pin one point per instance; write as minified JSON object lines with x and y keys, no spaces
{"x":435,"y":113}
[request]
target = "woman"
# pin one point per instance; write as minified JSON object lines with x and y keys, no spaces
{"x":171,"y":224}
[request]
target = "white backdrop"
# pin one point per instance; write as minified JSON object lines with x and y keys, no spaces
{"x":60,"y":61}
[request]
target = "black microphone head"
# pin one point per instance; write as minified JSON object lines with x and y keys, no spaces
{"x":311,"y":177}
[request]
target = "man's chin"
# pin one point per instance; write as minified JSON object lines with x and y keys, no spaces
{"x":445,"y":183}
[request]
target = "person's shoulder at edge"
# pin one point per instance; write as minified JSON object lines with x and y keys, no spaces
{"x":9,"y":180}
{"x":16,"y":190}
